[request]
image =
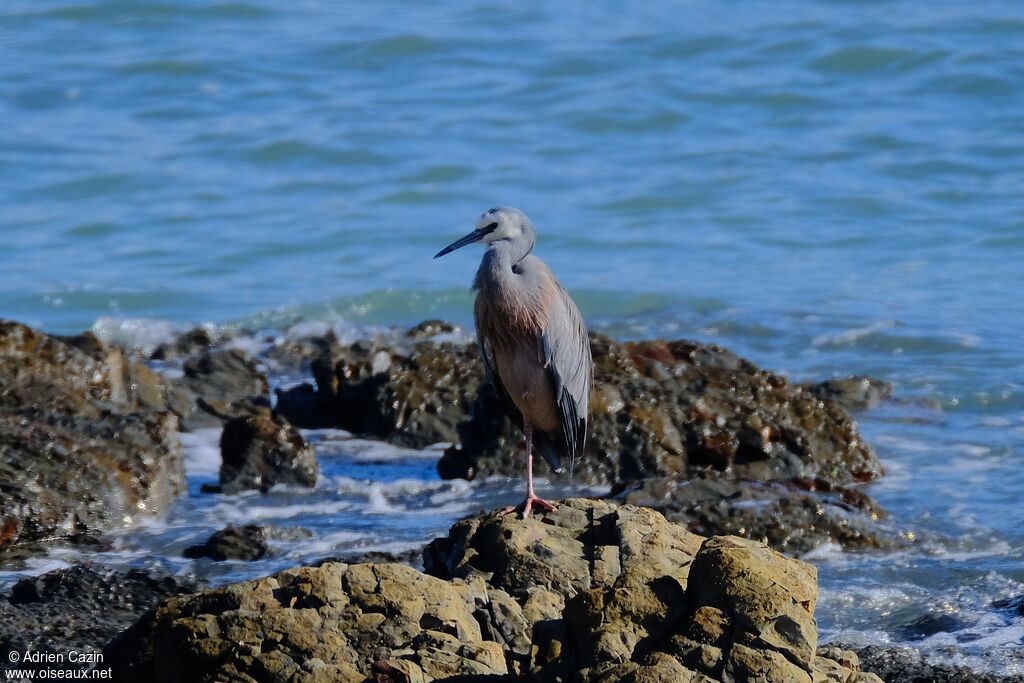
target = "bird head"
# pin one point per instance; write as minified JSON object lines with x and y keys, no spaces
{"x":501,"y":223}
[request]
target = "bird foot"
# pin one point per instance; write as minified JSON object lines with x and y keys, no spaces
{"x":523,"y":508}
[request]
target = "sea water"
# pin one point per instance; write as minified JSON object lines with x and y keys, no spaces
{"x":825,"y":187}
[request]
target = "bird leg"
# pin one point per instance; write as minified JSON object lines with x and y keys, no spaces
{"x":531,"y":498}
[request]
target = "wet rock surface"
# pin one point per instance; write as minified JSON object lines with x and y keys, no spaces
{"x":192,"y":343}
{"x":771,"y":460}
{"x":906,"y":665}
{"x":87,"y":438}
{"x":247,"y":542}
{"x":593,"y":591}
{"x":258,"y":452}
{"x":80,"y":608}
{"x":852,"y":393}
{"x":658,"y":409}
{"x":219,"y":384}
{"x":412,"y":557}
{"x":794,"y":516}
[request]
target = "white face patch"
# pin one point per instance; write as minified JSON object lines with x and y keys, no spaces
{"x":506,"y":228}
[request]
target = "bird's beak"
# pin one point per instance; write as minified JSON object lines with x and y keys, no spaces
{"x":474,"y":236}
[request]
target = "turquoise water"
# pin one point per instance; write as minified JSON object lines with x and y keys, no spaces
{"x":827,"y":187}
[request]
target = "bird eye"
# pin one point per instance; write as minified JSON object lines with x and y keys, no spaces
{"x":489,"y":228}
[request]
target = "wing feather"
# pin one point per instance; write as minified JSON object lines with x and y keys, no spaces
{"x":565,"y":348}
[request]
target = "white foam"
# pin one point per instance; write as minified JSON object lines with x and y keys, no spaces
{"x":252,"y":345}
{"x":966,"y":339}
{"x":202,"y":452}
{"x":344,"y":330}
{"x":406,"y":485}
{"x":326,"y":437}
{"x":141,"y":335}
{"x":377,"y":501}
{"x":852,"y":335}
{"x":456,"y":336}
{"x":367,"y":450}
{"x":904,"y":444}
{"x":998,"y":548}
{"x":321,"y":545}
{"x":447,"y":498}
{"x":34,"y":566}
{"x":826,"y":551}
{"x":238,"y":512}
{"x":973,"y":450}
{"x":457,"y":488}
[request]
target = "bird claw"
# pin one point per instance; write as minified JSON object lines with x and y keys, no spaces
{"x":524,"y":508}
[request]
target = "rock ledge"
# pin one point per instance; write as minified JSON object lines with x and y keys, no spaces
{"x":593,"y":591}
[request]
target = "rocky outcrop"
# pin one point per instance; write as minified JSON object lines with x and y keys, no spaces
{"x":906,"y":665}
{"x":219,"y":384}
{"x":258,"y":452}
{"x":87,"y":441}
{"x":192,"y":343}
{"x":794,"y":516}
{"x":772,"y":461}
{"x":852,"y":393}
{"x":247,"y":543}
{"x":80,"y":609}
{"x":335,"y":622}
{"x":659,"y":409}
{"x":590,"y":592}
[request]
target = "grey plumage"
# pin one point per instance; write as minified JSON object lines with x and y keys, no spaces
{"x":532,"y":338}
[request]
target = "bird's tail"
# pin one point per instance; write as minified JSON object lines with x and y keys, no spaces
{"x":549,"y":449}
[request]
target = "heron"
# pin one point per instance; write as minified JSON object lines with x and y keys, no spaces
{"x":533,"y":341}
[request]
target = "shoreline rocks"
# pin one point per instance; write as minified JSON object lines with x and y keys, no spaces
{"x":687,"y":429}
{"x":87,"y":442}
{"x":660,"y":409}
{"x":794,"y":516}
{"x":79,"y":608}
{"x":258,"y":452}
{"x":690,"y":429}
{"x":592,"y":591}
{"x":906,"y":665}
{"x":220,"y":384}
{"x":246,"y":543}
{"x":852,"y":393}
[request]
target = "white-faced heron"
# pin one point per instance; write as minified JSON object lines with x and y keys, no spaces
{"x":533,"y":341}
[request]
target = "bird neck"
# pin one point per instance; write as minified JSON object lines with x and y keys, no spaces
{"x":495,"y":271}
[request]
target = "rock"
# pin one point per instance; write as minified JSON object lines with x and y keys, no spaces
{"x":412,"y":398}
{"x":853,"y":393}
{"x":682,"y":408}
{"x":191,"y":343}
{"x":929,"y":624}
{"x":773,"y":461}
{"x":659,"y":409}
{"x":580,"y":545}
{"x":412,"y":557}
{"x":335,"y":622}
{"x":80,"y":608}
{"x":247,"y":542}
{"x":906,"y":665}
{"x":593,"y":591}
{"x":644,"y":598}
{"x":763,"y":604}
{"x":258,"y":452}
{"x":299,"y":352}
{"x":794,"y":516}
{"x":86,"y":342}
{"x":1015,"y":606}
{"x":430,"y":328}
{"x":221,"y":384}
{"x":86,"y":441}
